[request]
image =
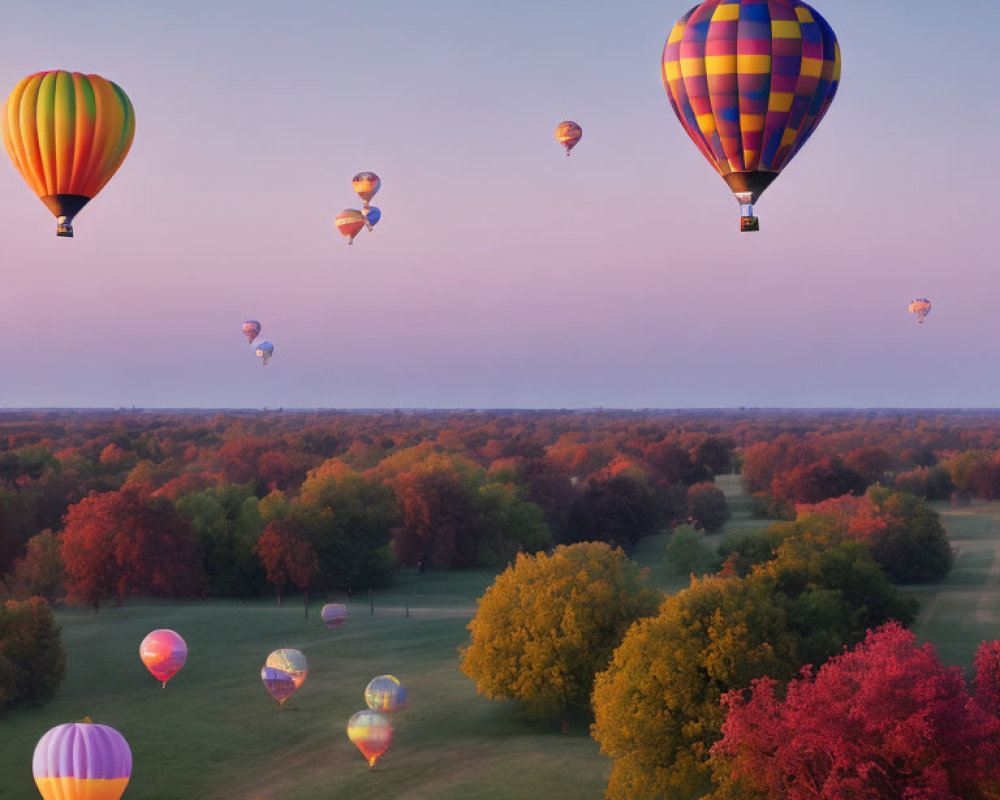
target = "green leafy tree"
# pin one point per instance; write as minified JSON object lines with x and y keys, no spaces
{"x":549,"y":623}
{"x":687,"y":550}
{"x":350,"y":519}
{"x":32,"y":659}
{"x":228,"y":522}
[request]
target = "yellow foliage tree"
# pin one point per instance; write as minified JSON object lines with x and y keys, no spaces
{"x":550,"y":622}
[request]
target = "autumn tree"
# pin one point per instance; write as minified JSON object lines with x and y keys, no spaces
{"x":657,"y":706}
{"x":287,"y":557}
{"x":886,"y":719}
{"x":128,"y":542}
{"x":441,"y":525}
{"x":707,"y":507}
{"x":549,"y":623}
{"x":32,"y":659}
{"x":40,"y":573}
{"x":619,"y":511}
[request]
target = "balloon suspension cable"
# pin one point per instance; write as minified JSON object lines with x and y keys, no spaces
{"x":64,"y":226}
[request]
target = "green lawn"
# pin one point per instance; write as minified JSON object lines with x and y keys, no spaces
{"x":215,"y":733}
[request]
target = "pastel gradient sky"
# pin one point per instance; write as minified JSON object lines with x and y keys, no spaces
{"x":502,"y":273}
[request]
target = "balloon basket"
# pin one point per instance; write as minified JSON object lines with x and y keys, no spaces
{"x":64,"y":228}
{"x":749,"y":224}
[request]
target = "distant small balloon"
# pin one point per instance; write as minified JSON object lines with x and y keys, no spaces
{"x":264,"y":351}
{"x":251,"y":329}
{"x":283,"y":673}
{"x":372,"y":215}
{"x":334,"y":614}
{"x":163,"y":652}
{"x":82,"y":761}
{"x":921,"y":307}
{"x":568,"y":133}
{"x":366,"y":185}
{"x":349,"y":222}
{"x":385,"y":693}
{"x":372,"y":733}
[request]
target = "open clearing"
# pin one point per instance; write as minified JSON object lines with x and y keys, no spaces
{"x":215,"y":733}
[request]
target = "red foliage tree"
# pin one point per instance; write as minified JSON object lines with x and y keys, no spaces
{"x":287,"y":557}
{"x":128,"y":542}
{"x":987,"y":682}
{"x":885,"y":719}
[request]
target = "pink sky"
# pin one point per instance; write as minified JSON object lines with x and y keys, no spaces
{"x":502,"y":273}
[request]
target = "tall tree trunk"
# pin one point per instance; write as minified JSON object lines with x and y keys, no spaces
{"x":305,"y":601}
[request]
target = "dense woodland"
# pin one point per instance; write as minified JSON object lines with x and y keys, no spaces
{"x":685,"y":692}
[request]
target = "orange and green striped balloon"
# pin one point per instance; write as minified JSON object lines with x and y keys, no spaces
{"x":67,"y":133}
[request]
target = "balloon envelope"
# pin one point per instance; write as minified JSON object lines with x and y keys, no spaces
{"x":334,"y":614}
{"x":371,"y":732}
{"x":749,"y":83}
{"x":251,"y":329}
{"x":372,"y":215}
{"x":349,"y":222}
{"x":67,"y":133}
{"x":366,"y":185}
{"x":82,"y":761}
{"x":921,"y":307}
{"x":284,"y":671}
{"x":385,"y":693}
{"x":163,"y":652}
{"x":568,"y":133}
{"x":264,"y":351}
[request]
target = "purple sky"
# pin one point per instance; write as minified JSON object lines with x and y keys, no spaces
{"x":502,"y":273}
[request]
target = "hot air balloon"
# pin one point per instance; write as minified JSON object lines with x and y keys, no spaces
{"x":163,"y":652}
{"x":284,"y":671}
{"x":67,"y":133}
{"x":251,"y":329}
{"x":372,"y":215}
{"x":385,"y":693}
{"x":749,"y":82}
{"x":264,"y":350}
{"x":349,"y":222}
{"x":334,"y":614}
{"x":372,"y":733}
{"x":82,"y":761}
{"x":366,"y":185}
{"x":568,"y":133}
{"x":921,"y":307}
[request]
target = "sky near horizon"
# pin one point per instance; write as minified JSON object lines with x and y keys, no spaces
{"x":502,"y":273}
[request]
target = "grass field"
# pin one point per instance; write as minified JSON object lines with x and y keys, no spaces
{"x":215,"y":733}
